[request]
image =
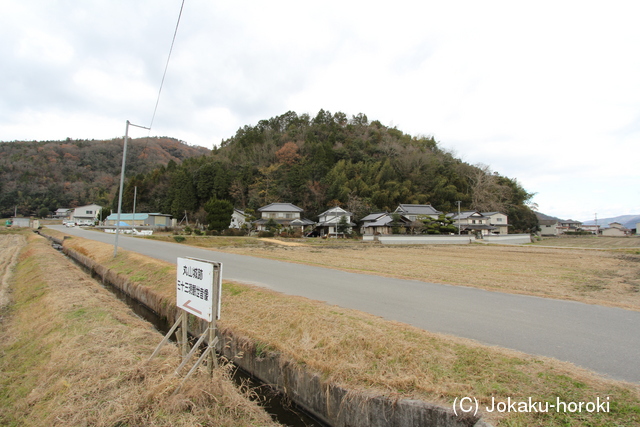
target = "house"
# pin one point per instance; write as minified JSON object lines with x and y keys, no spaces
{"x":139,"y":220}
{"x":592,"y":228}
{"x":472,"y":222}
{"x":568,"y":225}
{"x":548,"y":227}
{"x":62,"y":213}
{"x":238,"y":219}
{"x":382,"y":223}
{"x":328,"y":221}
{"x":615,"y":229}
{"x":414,"y":212}
{"x":287,"y":215}
{"x":86,"y":215}
{"x":498,"y":220}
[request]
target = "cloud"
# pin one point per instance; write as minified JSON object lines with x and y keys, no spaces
{"x":546,"y":93}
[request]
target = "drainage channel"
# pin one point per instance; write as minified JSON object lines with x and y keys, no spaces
{"x":277,"y":405}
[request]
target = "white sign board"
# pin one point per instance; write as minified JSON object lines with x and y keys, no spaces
{"x":198,"y":287}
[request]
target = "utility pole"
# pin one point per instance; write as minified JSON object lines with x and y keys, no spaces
{"x":135,"y":196}
{"x":458,"y":203}
{"x":124,"y":159}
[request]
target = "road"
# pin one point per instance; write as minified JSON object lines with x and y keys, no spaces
{"x":603,"y":339}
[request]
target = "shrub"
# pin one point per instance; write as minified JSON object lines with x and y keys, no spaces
{"x":179,"y":239}
{"x":265,"y":234}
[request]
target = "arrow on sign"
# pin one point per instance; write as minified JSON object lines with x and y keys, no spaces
{"x":186,"y":305}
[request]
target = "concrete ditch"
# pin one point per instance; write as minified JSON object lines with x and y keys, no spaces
{"x":329,"y":403}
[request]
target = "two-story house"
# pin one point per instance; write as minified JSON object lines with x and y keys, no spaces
{"x":565,"y":225}
{"x":329,"y":220}
{"x":497,"y":220}
{"x":86,"y":215}
{"x":284,"y":214}
{"x":616,"y":229}
{"x":472,"y":222}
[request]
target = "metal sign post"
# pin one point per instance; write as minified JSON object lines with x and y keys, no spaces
{"x":198,"y":292}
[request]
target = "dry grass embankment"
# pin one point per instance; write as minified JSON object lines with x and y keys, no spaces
{"x":73,"y":355}
{"x":365,"y":352}
{"x":591,"y":242}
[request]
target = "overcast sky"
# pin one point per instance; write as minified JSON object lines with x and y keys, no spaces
{"x":547,"y":93}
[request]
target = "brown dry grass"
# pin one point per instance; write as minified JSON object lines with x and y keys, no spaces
{"x":591,"y":242}
{"x":597,"y":277}
{"x":10,"y":245}
{"x":365,"y":352}
{"x":72,"y":355}
{"x":362,"y":351}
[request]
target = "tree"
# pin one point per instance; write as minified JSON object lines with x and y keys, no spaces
{"x":395,"y":224}
{"x":288,"y":154}
{"x":219,"y":213}
{"x":272,"y":226}
{"x":343,"y":225}
{"x":182,"y":193}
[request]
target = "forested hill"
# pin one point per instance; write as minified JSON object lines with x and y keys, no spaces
{"x":36,"y":175}
{"x":324,"y":161}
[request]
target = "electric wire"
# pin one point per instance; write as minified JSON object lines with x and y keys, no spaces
{"x":167,"y":65}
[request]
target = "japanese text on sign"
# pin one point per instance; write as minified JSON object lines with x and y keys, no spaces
{"x":196,"y":291}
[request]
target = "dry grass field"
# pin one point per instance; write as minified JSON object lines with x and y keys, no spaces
{"x":365,"y":352}
{"x":73,"y":355}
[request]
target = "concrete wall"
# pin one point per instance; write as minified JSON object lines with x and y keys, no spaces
{"x":397,"y":239}
{"x":332,"y":404}
{"x":508,"y":239}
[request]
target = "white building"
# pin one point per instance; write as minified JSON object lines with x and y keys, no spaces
{"x":86,"y":215}
{"x":329,"y":220}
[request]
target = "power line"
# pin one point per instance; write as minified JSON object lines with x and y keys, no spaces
{"x":166,"y":67}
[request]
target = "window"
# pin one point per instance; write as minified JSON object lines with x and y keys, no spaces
{"x":89,"y":212}
{"x":499,"y":219}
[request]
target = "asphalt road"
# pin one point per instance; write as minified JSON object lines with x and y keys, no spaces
{"x":603,"y":339}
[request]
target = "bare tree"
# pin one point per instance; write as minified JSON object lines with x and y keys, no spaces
{"x":487,"y":194}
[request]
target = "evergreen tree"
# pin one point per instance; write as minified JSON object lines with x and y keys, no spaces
{"x":219,"y":213}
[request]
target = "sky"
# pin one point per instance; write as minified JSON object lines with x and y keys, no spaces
{"x":544,"y":92}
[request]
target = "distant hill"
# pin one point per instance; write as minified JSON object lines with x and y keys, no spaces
{"x":628,"y":221}
{"x":36,"y":175}
{"x":330,"y":160}
{"x":313,"y":162}
{"x":544,"y":217}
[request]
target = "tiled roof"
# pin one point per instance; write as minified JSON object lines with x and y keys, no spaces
{"x":373,"y":216}
{"x":280,"y":207}
{"x":408,"y":209}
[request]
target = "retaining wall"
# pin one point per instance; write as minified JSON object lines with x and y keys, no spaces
{"x":508,"y":239}
{"x":330,"y":403}
{"x":399,"y":239}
